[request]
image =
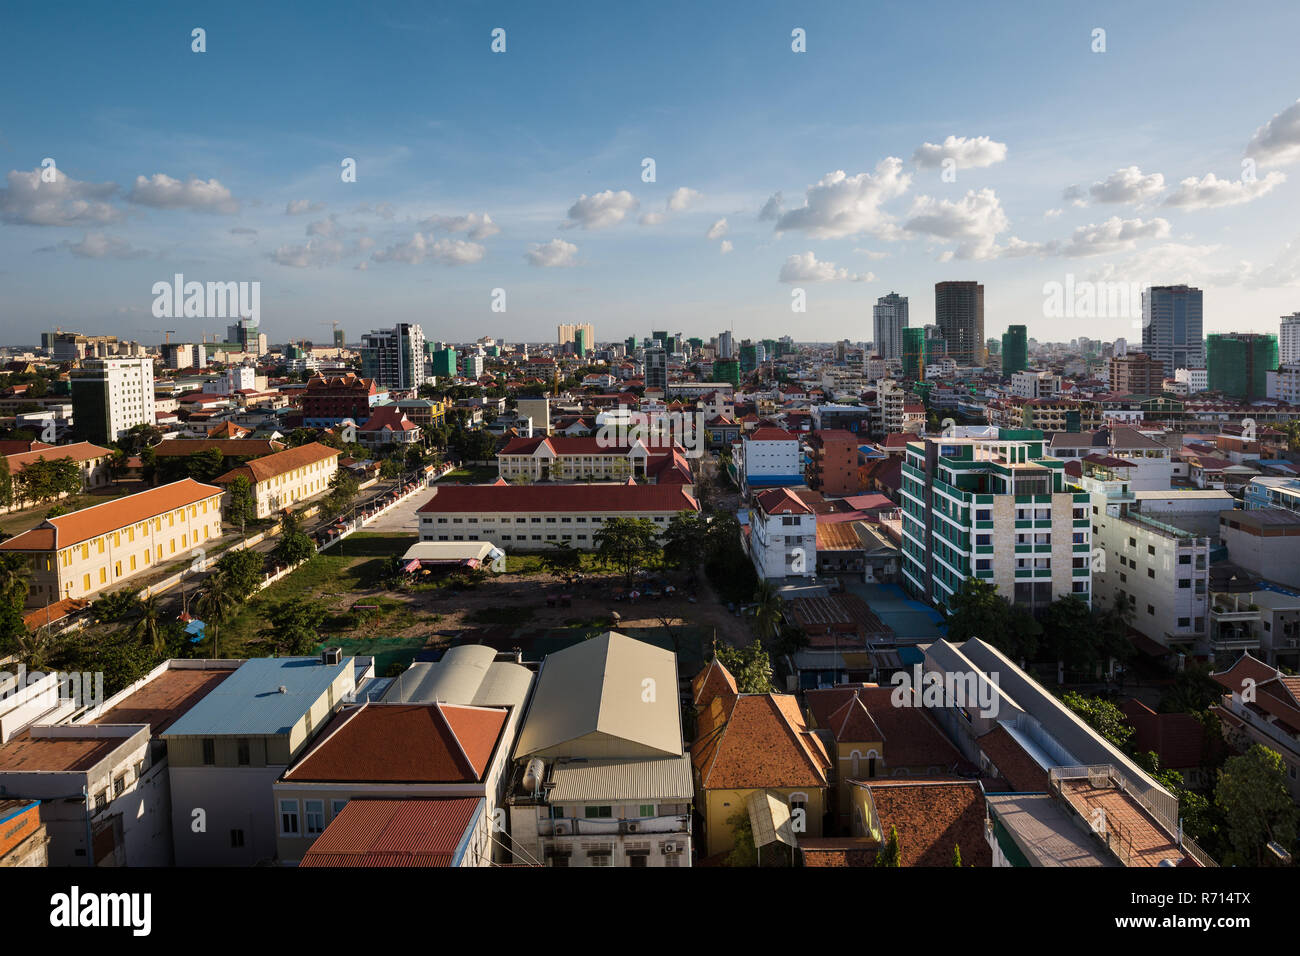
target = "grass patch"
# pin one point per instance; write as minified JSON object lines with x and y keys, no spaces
{"x":530,"y":562}
{"x":476,"y":474}
{"x":503,"y":616}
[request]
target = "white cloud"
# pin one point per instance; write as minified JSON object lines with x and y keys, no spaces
{"x":555,"y":253}
{"x":162,"y":192}
{"x":681,"y":198}
{"x":974,"y":153}
{"x":325,"y":227}
{"x":601,"y":210}
{"x":1128,"y":185}
{"x":314,"y":252}
{"x":806,"y":268}
{"x":652,"y":218}
{"x":475,"y":225}
{"x":840,"y":205}
{"x":96,"y":245}
{"x":717,"y":230}
{"x":1113,"y":235}
{"x":773,"y":208}
{"x":726,"y":246}
{"x":26,"y":200}
{"x":298,"y":207}
{"x":974,"y":221}
{"x":1277,"y":142}
{"x":1210,"y":191}
{"x":452,"y":252}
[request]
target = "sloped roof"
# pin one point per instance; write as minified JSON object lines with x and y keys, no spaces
{"x":1014,"y":763}
{"x":100,"y":519}
{"x":490,"y":499}
{"x":932,"y":817}
{"x":762,"y":742}
{"x":79,"y":452}
{"x":403,"y":743}
{"x":592,"y":699}
{"x":282,"y":462}
{"x":387,"y":833}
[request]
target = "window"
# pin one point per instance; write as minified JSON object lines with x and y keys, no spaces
{"x":236,"y":839}
{"x":336,"y":807}
{"x":288,"y":818}
{"x":601,"y":812}
{"x":119,"y":784}
{"x":647,"y":810}
{"x":244,"y":754}
{"x":314,"y":816}
{"x":209,"y":752}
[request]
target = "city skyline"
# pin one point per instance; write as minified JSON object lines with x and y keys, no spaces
{"x":773,"y":171}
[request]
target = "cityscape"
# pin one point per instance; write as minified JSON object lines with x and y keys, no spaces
{"x":539,"y":477}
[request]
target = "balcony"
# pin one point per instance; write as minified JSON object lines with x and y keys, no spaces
{"x":581,"y":826}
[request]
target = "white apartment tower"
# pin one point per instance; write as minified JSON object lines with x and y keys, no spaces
{"x":110,"y":396}
{"x":889,"y":317}
{"x":1288,"y":340}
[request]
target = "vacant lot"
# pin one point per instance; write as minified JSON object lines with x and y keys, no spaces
{"x":394,"y":624}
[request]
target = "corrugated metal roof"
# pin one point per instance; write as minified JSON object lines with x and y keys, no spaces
{"x":467,"y":674}
{"x":386,"y":833}
{"x":599,"y":688}
{"x":249,"y":700}
{"x":663,"y":778}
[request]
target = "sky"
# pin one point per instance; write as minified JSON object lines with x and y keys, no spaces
{"x":904,"y":145}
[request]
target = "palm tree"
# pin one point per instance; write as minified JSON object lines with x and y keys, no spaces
{"x":147,"y":626}
{"x":768,"y":613}
{"x":216,"y":602}
{"x":15,"y":574}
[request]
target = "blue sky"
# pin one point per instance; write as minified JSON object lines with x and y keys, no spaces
{"x":522,"y":170}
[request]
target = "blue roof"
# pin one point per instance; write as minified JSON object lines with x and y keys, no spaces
{"x":249,"y":701}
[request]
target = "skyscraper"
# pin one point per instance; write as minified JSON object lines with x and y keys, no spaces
{"x":959,"y":313}
{"x":1288,"y":343}
{"x":394,"y":357}
{"x":1239,"y":362}
{"x":656,"y":368}
{"x":1015,"y":350}
{"x":726,"y":346}
{"x":889,"y":318}
{"x":1171,"y":327}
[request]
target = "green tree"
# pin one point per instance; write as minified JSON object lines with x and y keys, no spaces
{"x":769,"y":610}
{"x":561,"y":558}
{"x":743,"y":852}
{"x":217,"y":603}
{"x":956,"y":854}
{"x":1068,"y":633}
{"x":1252,"y":794}
{"x":15,"y":579}
{"x":686,"y":540}
{"x":627,"y":544}
{"x":114,"y":606}
{"x":294,"y":625}
{"x":241,"y":507}
{"x":749,"y":665}
{"x":1102,"y":716}
{"x":891,"y":854}
{"x":147,"y":624}
{"x":205,"y":465}
{"x":243,"y":569}
{"x":6,"y":484}
{"x":978,"y":611}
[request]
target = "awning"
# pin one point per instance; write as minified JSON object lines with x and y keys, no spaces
{"x":411,"y":565}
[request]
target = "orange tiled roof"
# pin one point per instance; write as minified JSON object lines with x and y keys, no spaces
{"x":70,"y":529}
{"x":81,"y":451}
{"x":763,"y":742}
{"x":282,"y":462}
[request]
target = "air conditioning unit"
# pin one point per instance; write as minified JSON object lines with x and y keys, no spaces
{"x":671,"y":848}
{"x":561,"y":828}
{"x":633,"y":827}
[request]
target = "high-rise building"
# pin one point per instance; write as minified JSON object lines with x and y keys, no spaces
{"x":959,"y":313}
{"x":394,"y":357}
{"x":727,"y":370}
{"x":889,"y":318}
{"x":1288,"y":341}
{"x":915,"y":354}
{"x":580,"y":342}
{"x":1171,"y":326}
{"x":1015,"y":350}
{"x":340,"y":338}
{"x":656,"y":368}
{"x":110,"y":396}
{"x":471,"y":365}
{"x":444,"y":362}
{"x":1238,"y":363}
{"x":1137,"y":374}
{"x":749,"y":356}
{"x":568,"y":331}
{"x":964,"y":497}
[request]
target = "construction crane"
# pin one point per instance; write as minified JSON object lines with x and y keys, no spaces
{"x":166,"y":333}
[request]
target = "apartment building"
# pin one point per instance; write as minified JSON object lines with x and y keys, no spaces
{"x":287,"y":477}
{"x":110,"y":396}
{"x":1035,"y":384}
{"x":523,"y":518}
{"x":768,"y":458}
{"x":781,"y":536}
{"x":601,"y":774}
{"x":833,"y":462}
{"x":78,"y":555}
{"x":1136,"y":373}
{"x":327,"y":401}
{"x":964,"y":499}
{"x":94,"y":461}
{"x":226,"y":753}
{"x":1261,"y":706}
{"x":1161,"y":569}
{"x":1264,"y":541}
{"x":394,"y":357}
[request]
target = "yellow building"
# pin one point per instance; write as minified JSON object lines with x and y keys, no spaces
{"x":78,"y":555}
{"x":754,"y":755}
{"x":288,"y":476}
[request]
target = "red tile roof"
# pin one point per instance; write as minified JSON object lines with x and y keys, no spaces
{"x":770,"y":434}
{"x":1013,"y":763}
{"x":932,"y":817}
{"x":91,"y":522}
{"x":781,"y":501}
{"x":761,"y":742}
{"x":81,"y":451}
{"x":404,"y":743}
{"x":384,"y":833}
{"x":489,"y":499}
